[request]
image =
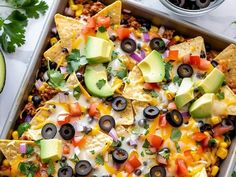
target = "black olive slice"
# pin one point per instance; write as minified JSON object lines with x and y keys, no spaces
{"x":205,"y":127}
{"x":119,"y":155}
{"x":214,"y":63}
{"x":174,"y":118}
{"x":157,"y":171}
{"x":36,"y":100}
{"x":83,"y":168}
{"x":66,"y":171}
{"x":128,"y":45}
{"x":185,"y":70}
{"x":151,"y":112}
{"x":203,"y":3}
{"x":119,"y":103}
{"x":67,"y":131}
{"x":157,"y":44}
{"x":106,"y":123}
{"x":49,"y":131}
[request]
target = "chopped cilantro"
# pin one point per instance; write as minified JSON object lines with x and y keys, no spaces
{"x":101,"y":83}
{"x":177,"y":80}
{"x":153,"y":93}
{"x":147,"y":131}
{"x":114,"y":55}
{"x":142,"y":154}
{"x":23,"y":128}
{"x":77,"y":92}
{"x":126,"y":80}
{"x":146,"y":126}
{"x":56,"y":79}
{"x":51,"y":168}
{"x":38,"y":142}
{"x":29,"y":150}
{"x":75,"y":61}
{"x":62,"y":164}
{"x":99,"y":159}
{"x":122,"y":73}
{"x":175,"y":134}
{"x":177,"y":147}
{"x":102,"y":29}
{"x":220,"y":95}
{"x":146,"y":144}
{"x":116,"y":143}
{"x":75,"y":158}
{"x":168,"y":67}
{"x":147,"y":175}
{"x":92,"y":152}
{"x":28,"y":168}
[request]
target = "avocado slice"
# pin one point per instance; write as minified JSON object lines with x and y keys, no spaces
{"x":2,"y":71}
{"x":212,"y":82}
{"x":202,"y":107}
{"x":152,"y":67}
{"x":50,"y":149}
{"x":93,"y":75}
{"x":185,"y":93}
{"x":98,"y":50}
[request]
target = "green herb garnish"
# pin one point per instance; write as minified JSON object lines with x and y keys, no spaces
{"x":75,"y":158}
{"x":77,"y":92}
{"x":153,"y":93}
{"x":122,"y":73}
{"x":177,"y":80}
{"x":51,"y":168}
{"x":168,"y":67}
{"x":102,"y":29}
{"x":101,"y":83}
{"x":23,"y":128}
{"x":177,"y":147}
{"x":92,"y":152}
{"x":220,"y":95}
{"x":146,"y":144}
{"x":142,"y":154}
{"x":28,"y":168}
{"x":175,"y":134}
{"x":56,"y":79}
{"x":99,"y":159}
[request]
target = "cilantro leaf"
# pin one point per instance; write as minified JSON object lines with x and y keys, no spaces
{"x":51,"y":168}
{"x":177,"y":80}
{"x":99,"y":159}
{"x":146,"y":144}
{"x":13,"y":31}
{"x":32,"y":8}
{"x":114,"y":55}
{"x":153,"y":93}
{"x":75,"y":61}
{"x":29,"y":150}
{"x":56,"y":79}
{"x":168,"y":67}
{"x":220,"y":95}
{"x":122,"y":73}
{"x":102,"y":29}
{"x":28,"y":168}
{"x":177,"y":147}
{"x":23,"y":128}
{"x":101,"y":83}
{"x":77,"y":92}
{"x":92,"y":152}
{"x":175,"y":134}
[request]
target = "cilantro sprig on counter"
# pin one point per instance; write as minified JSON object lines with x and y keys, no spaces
{"x":12,"y":28}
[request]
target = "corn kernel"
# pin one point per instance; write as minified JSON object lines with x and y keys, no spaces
{"x":74,"y":7}
{"x":71,"y":2}
{"x":137,"y":34}
{"x":78,"y":12}
{"x":30,"y":98}
{"x":215,"y":120}
{"x":15,"y":135}
{"x":223,"y":145}
{"x":207,"y":134}
{"x":6,"y":163}
{"x":154,"y":29}
{"x":53,"y":40}
{"x":177,"y":38}
{"x":222,"y":153}
{"x":169,"y":95}
{"x":214,"y":170}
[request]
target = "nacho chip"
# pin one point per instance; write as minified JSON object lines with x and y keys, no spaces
{"x":125,"y":117}
{"x":68,"y":29}
{"x":55,"y":54}
{"x":134,"y":89}
{"x":11,"y":149}
{"x":139,"y":106}
{"x":113,"y":11}
{"x":193,"y":46}
{"x":228,"y":58}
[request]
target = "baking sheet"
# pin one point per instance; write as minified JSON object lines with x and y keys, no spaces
{"x":158,"y":18}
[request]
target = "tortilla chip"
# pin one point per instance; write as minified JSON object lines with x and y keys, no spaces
{"x":193,"y":46}
{"x":99,"y":142}
{"x":228,"y":58}
{"x":55,"y":54}
{"x":231,"y":100}
{"x":139,"y":106}
{"x":113,"y":11}
{"x":11,"y":149}
{"x":122,"y":131}
{"x":134,"y":89}
{"x":125,"y":117}
{"x":68,"y":29}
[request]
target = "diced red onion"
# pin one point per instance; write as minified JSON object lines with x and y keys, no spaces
{"x":133,"y":142}
{"x":38,"y":84}
{"x":113,"y":134}
{"x":63,"y":69}
{"x":146,"y":37}
{"x":185,"y":114}
{"x":142,"y":54}
{"x":136,"y":57}
{"x":69,"y":12}
{"x":161,"y":30}
{"x":126,"y":11}
{"x":167,"y":41}
{"x":23,"y":148}
{"x":28,"y":118}
{"x":62,"y":98}
{"x":165,"y":54}
{"x":54,"y":30}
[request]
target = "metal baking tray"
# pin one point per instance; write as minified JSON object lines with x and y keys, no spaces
{"x":218,"y":42}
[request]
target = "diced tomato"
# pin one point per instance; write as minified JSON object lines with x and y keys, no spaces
{"x":103,"y":21}
{"x":93,"y":110}
{"x":188,"y":156}
{"x":91,"y":23}
{"x":182,"y":168}
{"x":162,"y":120}
{"x":186,"y":59}
{"x":128,"y":167}
{"x":63,"y":119}
{"x":200,"y":150}
{"x":171,"y":106}
{"x":66,"y":149}
{"x":161,"y":160}
{"x":155,"y":141}
{"x":173,"y":55}
{"x":205,"y":142}
{"x":198,"y":136}
{"x":123,"y":33}
{"x":134,"y":162}
{"x":74,"y":109}
{"x":220,"y":130}
{"x":204,"y":64}
{"x":151,"y":86}
{"x":78,"y":141}
{"x":194,"y":60}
